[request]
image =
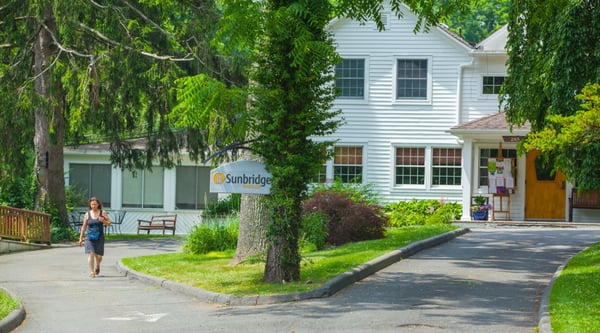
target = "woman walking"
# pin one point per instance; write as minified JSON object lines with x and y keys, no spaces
{"x":94,"y":222}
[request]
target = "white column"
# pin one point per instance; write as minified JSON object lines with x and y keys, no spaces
{"x":169,"y":189}
{"x":467,"y":178}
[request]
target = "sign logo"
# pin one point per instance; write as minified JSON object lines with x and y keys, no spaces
{"x":218,"y":178}
{"x":241,"y":177}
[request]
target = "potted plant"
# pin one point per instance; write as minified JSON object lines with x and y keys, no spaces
{"x":480,"y":209}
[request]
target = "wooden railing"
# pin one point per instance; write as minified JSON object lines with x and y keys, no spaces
{"x":24,"y":225}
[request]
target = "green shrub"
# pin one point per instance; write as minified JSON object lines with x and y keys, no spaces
{"x":422,"y":212}
{"x":214,"y":235}
{"x":314,"y":231}
{"x":223,"y":207}
{"x":357,"y":192}
{"x":346,"y":220}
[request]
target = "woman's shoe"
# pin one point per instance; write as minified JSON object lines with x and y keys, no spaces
{"x":92,"y":275}
{"x":97,"y":270}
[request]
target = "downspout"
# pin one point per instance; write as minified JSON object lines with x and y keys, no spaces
{"x":459,"y":83}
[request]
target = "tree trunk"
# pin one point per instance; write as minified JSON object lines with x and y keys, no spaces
{"x":254,"y":224}
{"x":49,"y":122}
{"x":283,"y":255}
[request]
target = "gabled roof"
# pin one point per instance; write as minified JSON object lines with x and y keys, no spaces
{"x":441,"y":27}
{"x":493,"y":123}
{"x":494,"y":43}
{"x":458,"y":38}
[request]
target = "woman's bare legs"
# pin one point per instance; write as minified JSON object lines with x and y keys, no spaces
{"x":91,"y":262}
{"x":98,"y":261}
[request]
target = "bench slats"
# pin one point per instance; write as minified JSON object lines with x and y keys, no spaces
{"x":158,"y":222}
{"x":583,"y":199}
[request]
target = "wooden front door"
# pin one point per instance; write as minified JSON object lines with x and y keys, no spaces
{"x":544,"y":191}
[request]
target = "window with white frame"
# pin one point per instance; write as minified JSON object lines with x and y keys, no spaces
{"x":492,"y":84}
{"x":143,"y":188}
{"x":193,"y":187}
{"x":348,"y":164}
{"x":412,"y":79}
{"x":410,"y":166}
{"x":350,"y":79}
{"x":487,"y":153}
{"x":446,"y":166}
{"x":91,"y":180}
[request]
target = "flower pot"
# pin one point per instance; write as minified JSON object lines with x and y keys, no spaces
{"x":480,"y":216}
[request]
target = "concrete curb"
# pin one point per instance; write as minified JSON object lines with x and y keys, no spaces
{"x":15,"y":318}
{"x":328,"y":289}
{"x":544,"y":321}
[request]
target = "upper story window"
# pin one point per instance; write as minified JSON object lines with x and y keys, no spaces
{"x":192,"y":188}
{"x":446,"y":166}
{"x":492,"y":84}
{"x":412,"y":79}
{"x":410,"y":166}
{"x":350,"y":79}
{"x":91,"y":180}
{"x":348,"y":164}
{"x":143,"y":188}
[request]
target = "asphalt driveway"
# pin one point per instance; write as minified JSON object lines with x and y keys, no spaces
{"x":488,"y":280}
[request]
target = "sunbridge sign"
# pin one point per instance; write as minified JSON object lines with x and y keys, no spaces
{"x":241,"y":177}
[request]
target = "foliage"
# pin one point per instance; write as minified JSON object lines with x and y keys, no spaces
{"x":481,"y":20}
{"x":355,"y":191}
{"x":574,"y":141}
{"x":212,"y":235}
{"x":292,"y":94}
{"x":81,"y":72}
{"x":574,"y":300}
{"x":60,"y":231}
{"x":313,"y":234}
{"x":345,"y":220}
{"x":18,"y":192}
{"x":7,"y":304}
{"x":422,"y":212}
{"x":223,"y":207}
{"x":213,"y":272}
{"x":553,"y":51}
{"x":481,"y":204}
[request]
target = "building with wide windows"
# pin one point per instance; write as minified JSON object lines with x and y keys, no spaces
{"x":421,"y":119}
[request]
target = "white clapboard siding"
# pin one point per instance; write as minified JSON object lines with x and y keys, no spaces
{"x":379,"y":122}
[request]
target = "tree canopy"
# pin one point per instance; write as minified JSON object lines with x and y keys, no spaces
{"x":574,"y":141}
{"x":483,"y":18}
{"x":88,"y":71}
{"x":553,"y":52}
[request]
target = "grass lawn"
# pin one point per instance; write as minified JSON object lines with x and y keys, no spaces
{"x":212,"y":271}
{"x":7,"y":304}
{"x":575,"y":296}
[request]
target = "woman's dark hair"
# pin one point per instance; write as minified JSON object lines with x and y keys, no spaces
{"x":94,"y":199}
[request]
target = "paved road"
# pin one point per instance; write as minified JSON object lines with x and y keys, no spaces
{"x":488,"y":280}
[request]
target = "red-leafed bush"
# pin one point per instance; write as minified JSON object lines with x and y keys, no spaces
{"x":346,"y":220}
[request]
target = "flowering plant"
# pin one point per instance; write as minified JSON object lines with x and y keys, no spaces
{"x":481,"y":204}
{"x":481,"y":208}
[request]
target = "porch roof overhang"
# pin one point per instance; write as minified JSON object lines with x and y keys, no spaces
{"x":493,"y":127}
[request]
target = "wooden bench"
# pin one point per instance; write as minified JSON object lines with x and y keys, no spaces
{"x":583,"y":199}
{"x":158,"y":222}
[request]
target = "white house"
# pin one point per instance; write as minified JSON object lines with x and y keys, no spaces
{"x":421,"y":120}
